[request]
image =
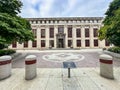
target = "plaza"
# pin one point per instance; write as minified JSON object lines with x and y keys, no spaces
{"x":51,"y":75}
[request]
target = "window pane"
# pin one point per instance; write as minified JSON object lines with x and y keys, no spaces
{"x":78,"y":43}
{"x":87,"y":43}
{"x":34,"y":43}
{"x":69,"y":43}
{"x":52,"y":43}
{"x":95,"y":32}
{"x":14,"y":44}
{"x":42,"y":33}
{"x":96,"y":42}
{"x":78,"y":32}
{"x":26,"y":44}
{"x":51,"y":33}
{"x":61,"y":29}
{"x":70,"y":32}
{"x":42,"y":43}
{"x":86,"y":32}
{"x":34,"y":32}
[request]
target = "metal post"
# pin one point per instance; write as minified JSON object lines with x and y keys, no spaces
{"x":68,"y":70}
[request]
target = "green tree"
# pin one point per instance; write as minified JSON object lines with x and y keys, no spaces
{"x":12,"y":26}
{"x":111,"y":29}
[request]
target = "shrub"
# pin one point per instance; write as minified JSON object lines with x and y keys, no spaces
{"x":114,"y":49}
{"x":7,"y":52}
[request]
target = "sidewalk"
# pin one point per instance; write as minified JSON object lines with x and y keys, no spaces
{"x":56,"y":79}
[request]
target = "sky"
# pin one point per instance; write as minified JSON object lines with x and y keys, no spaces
{"x":64,"y":8}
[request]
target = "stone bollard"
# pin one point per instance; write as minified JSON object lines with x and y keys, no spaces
{"x":30,"y":67}
{"x":5,"y":67}
{"x":106,"y":66}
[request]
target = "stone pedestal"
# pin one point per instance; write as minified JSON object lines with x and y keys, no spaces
{"x":30,"y":67}
{"x":106,"y":66}
{"x":5,"y":67}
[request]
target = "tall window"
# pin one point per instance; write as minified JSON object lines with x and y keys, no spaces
{"x":69,"y":43}
{"x":34,"y":43}
{"x":95,"y":32}
{"x":42,"y":33}
{"x":34,"y":32}
{"x":87,"y":43}
{"x":78,"y":43}
{"x":60,"y":29}
{"x":42,"y":43}
{"x":51,"y":33}
{"x":52,"y":43}
{"x":26,"y":44}
{"x":95,"y":42}
{"x":107,"y":43}
{"x":78,"y":32}
{"x":69,"y":32}
{"x":14,"y":44}
{"x":86,"y":32}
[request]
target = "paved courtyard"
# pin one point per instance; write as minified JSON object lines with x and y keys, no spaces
{"x":52,"y":76}
{"x":55,"y":58}
{"x":56,"y":79}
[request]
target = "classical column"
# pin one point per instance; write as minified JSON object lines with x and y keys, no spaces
{"x":82,"y":37}
{"x":55,"y":38}
{"x":91,"y":37}
{"x":74,"y":36}
{"x":38,"y":38}
{"x":19,"y":46}
{"x":29,"y":44}
{"x":47,"y":36}
{"x":66,"y":36}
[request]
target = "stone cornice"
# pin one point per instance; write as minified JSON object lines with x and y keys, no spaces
{"x":67,"y":18}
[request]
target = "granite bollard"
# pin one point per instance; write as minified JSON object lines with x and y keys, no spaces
{"x":106,"y":66}
{"x":5,"y":66}
{"x":30,"y":67}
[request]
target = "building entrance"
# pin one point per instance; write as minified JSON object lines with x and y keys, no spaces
{"x":60,"y":43}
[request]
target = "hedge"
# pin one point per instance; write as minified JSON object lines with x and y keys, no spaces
{"x":114,"y":49}
{"x":7,"y":52}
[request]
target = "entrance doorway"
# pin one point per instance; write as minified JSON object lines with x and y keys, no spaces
{"x":60,"y":43}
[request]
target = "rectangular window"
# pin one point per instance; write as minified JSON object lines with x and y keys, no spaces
{"x":95,"y":42}
{"x":34,"y":43}
{"x":107,"y":43}
{"x":86,"y":32}
{"x":14,"y":44}
{"x":78,"y":32}
{"x":51,"y":33}
{"x":60,"y":29}
{"x":69,"y":32}
{"x":42,"y":33}
{"x":26,"y":44}
{"x":42,"y":43}
{"x":52,"y":43}
{"x":78,"y":43}
{"x":69,"y":43}
{"x":87,"y":43}
{"x":95,"y":32}
{"x":34,"y":32}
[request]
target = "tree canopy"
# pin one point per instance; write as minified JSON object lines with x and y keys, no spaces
{"x":12,"y":26}
{"x":111,"y":29}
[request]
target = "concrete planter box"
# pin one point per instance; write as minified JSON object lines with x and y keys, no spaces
{"x":115,"y":55}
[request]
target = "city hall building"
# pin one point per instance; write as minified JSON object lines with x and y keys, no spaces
{"x":64,"y":32}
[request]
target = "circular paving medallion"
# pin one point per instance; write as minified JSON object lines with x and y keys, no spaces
{"x":61,"y":57}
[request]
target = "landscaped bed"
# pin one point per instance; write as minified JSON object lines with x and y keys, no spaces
{"x":7,"y":52}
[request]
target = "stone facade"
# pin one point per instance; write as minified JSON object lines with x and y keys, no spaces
{"x":64,"y":32}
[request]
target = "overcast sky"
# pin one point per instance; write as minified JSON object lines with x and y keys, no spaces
{"x":64,"y":8}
